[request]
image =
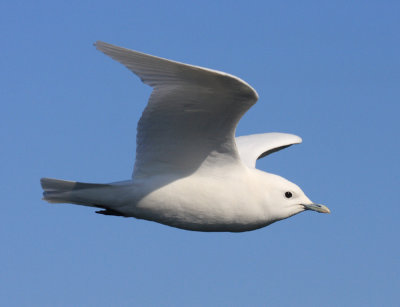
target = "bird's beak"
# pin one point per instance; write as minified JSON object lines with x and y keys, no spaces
{"x":318,"y":208}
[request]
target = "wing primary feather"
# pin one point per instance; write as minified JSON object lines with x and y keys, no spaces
{"x":156,"y":71}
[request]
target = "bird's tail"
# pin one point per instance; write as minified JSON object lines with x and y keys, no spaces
{"x":63,"y":191}
{"x":85,"y":194}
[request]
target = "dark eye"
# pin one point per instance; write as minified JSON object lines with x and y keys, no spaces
{"x":288,"y":194}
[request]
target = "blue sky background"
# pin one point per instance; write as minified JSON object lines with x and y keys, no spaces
{"x":328,"y":71}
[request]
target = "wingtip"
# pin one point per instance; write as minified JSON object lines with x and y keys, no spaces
{"x":102,"y":46}
{"x":97,"y":44}
{"x":294,"y":139}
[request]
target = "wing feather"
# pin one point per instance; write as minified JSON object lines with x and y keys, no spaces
{"x":191,"y":115}
{"x":257,"y":146}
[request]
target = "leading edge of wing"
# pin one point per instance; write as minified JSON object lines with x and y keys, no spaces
{"x":157,"y":72}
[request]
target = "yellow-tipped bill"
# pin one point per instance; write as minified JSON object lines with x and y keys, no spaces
{"x":318,"y":208}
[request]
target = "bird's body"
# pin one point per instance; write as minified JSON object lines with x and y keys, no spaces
{"x":228,"y":199}
{"x":190,"y":170}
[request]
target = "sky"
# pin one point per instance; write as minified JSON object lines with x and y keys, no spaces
{"x":328,"y":71}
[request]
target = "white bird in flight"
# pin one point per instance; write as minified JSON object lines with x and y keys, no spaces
{"x":190,"y":170}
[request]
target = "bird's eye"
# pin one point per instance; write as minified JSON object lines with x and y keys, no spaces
{"x":288,"y":194}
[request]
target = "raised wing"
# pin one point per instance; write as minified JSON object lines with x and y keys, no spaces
{"x":257,"y":146}
{"x":191,"y":115}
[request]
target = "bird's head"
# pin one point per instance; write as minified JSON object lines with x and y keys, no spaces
{"x":284,"y":199}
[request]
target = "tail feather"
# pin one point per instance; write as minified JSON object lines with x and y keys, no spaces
{"x":63,"y":191}
{"x":79,"y":193}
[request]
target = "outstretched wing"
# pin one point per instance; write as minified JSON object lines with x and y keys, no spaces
{"x":191,"y":115}
{"x":257,"y":146}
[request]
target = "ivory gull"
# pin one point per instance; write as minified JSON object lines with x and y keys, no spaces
{"x":190,"y":170}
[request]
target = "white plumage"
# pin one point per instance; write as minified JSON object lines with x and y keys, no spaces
{"x":190,"y":170}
